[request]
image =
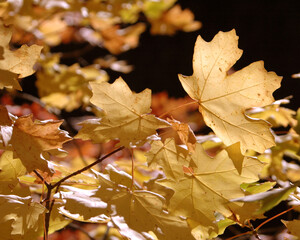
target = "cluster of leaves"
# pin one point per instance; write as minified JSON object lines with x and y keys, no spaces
{"x":138,"y":173}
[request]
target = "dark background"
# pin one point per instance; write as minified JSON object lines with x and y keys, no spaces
{"x":268,"y":30}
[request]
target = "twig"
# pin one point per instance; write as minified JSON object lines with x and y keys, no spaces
{"x":87,"y":167}
{"x":279,"y":214}
{"x":254,"y":231}
{"x":105,"y":236}
{"x":41,"y":177}
{"x":50,"y":203}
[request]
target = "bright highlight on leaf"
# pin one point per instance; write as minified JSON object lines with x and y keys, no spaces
{"x":223,"y":99}
{"x":126,"y":115}
{"x":15,"y":64}
{"x":20,"y":218}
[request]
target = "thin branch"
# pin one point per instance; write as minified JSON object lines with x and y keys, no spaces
{"x":47,"y":214}
{"x":254,"y":231}
{"x":41,"y":177}
{"x":105,"y":236}
{"x":270,"y":219}
{"x":87,"y":167}
{"x":239,"y":235}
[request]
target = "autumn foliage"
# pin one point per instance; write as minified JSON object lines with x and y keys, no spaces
{"x":136,"y":166}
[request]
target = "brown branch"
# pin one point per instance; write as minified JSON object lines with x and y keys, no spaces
{"x":41,"y":177}
{"x":50,"y":203}
{"x":87,"y":167}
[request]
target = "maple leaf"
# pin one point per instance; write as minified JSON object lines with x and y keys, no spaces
{"x":20,"y":218}
{"x":142,"y":210}
{"x":126,"y":116}
{"x":32,"y":141}
{"x":223,"y":98}
{"x":171,"y":157}
{"x":80,"y":206}
{"x":15,"y":64}
{"x":10,"y":169}
{"x":208,"y":187}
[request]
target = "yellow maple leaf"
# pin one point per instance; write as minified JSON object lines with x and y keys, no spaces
{"x":170,"y":156}
{"x":142,"y":210}
{"x":126,"y":115}
{"x":207,"y":188}
{"x":14,"y":64}
{"x":223,"y":98}
{"x":10,"y":169}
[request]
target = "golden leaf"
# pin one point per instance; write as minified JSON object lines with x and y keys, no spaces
{"x":208,"y":187}
{"x":171,"y":157}
{"x":224,"y":98}
{"x":126,"y":116}
{"x":14,"y":64}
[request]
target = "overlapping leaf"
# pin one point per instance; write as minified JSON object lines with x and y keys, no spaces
{"x":31,"y":141}
{"x":10,"y":169}
{"x":126,"y":116}
{"x":20,"y":218}
{"x":170,"y":157}
{"x":208,"y":187}
{"x":224,"y":98}
{"x":15,"y":64}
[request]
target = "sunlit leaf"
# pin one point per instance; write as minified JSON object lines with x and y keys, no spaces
{"x":223,"y":99}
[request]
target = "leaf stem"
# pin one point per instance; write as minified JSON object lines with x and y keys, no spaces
{"x":239,"y":235}
{"x":254,"y":231}
{"x":279,"y":214}
{"x":183,"y":105}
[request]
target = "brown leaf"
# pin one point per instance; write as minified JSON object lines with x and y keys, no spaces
{"x":31,"y":141}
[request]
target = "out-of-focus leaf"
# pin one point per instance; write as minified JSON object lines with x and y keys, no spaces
{"x":15,"y":64}
{"x":173,"y":20}
{"x":275,"y":114}
{"x":293,"y":227}
{"x":269,"y":199}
